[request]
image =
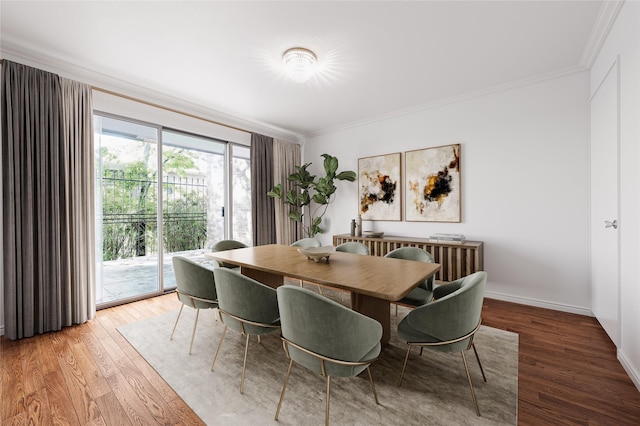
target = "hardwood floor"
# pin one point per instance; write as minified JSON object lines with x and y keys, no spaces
{"x":88,"y":374}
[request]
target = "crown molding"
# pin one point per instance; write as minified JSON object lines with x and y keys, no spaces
{"x":452,"y":100}
{"x":65,"y":68}
{"x":604,"y":22}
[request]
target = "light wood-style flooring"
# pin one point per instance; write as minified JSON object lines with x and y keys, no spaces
{"x":90,"y":375}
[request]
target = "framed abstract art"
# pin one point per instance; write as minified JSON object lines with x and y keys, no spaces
{"x":380,"y":188}
{"x":433,"y":184}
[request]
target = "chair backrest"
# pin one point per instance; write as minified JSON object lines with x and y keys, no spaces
{"x":246,"y":298}
{"x":454,"y":315}
{"x":224,"y":245}
{"x":307,"y":242}
{"x":195,"y":280}
{"x":327,"y":328}
{"x":417,"y":254}
{"x":353,"y":247}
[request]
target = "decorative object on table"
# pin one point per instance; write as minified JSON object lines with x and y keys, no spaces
{"x":433,"y":184}
{"x":379,"y":187}
{"x":359,"y":226}
{"x":317,"y":253}
{"x":353,"y":227}
{"x":308,"y":188}
{"x":372,"y":234}
{"x":447,"y":237}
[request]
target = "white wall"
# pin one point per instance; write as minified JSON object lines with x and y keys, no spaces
{"x":623,"y":42}
{"x":524,"y":160}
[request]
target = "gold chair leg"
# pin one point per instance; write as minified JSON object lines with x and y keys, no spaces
{"x":373,"y":387}
{"x":244,"y":363}
{"x":326,"y":412}
{"x":193,"y":334}
{"x":406,"y":358}
{"x":219,"y":345}
{"x":284,"y":388}
{"x":473,"y":345}
{"x":473,"y":394}
{"x":176,"y":324}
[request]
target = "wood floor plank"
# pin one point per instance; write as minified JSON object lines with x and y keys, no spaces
{"x":90,"y":375}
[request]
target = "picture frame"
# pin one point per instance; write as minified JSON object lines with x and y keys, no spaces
{"x":380,"y":187}
{"x":433,"y":184}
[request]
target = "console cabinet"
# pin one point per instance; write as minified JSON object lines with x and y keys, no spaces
{"x":456,"y":259}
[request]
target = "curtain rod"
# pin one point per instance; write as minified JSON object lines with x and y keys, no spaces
{"x":155,"y":105}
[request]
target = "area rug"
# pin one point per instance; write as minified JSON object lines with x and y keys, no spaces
{"x":434,"y":391}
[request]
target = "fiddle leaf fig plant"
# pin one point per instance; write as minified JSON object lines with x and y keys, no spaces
{"x":308,"y":188}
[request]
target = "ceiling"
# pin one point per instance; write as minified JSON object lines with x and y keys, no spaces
{"x":378,"y":59}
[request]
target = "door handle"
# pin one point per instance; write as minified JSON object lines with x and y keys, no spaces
{"x":609,"y":224}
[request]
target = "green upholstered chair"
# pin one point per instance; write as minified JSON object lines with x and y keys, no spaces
{"x":224,"y":245}
{"x":449,"y":323}
{"x":423,"y":293}
{"x":353,"y":247}
{"x":307,"y":242}
{"x":195,"y":287}
{"x":326,"y":338}
{"x":246,"y":306}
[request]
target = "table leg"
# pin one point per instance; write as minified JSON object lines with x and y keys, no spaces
{"x":267,"y":278}
{"x":375,"y":308}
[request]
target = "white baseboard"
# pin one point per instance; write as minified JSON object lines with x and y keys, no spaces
{"x":632,"y":372}
{"x":540,"y":303}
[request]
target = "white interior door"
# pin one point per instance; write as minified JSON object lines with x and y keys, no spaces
{"x":605,"y":280}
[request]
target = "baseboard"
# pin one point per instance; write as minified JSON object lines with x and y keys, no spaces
{"x":540,"y":303}
{"x":633,"y":374}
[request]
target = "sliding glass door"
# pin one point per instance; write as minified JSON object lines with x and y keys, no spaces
{"x":162,"y":193}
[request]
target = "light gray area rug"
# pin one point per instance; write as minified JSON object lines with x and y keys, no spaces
{"x":434,"y":391}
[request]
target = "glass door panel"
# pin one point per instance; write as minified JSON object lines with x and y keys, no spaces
{"x":193,"y":198}
{"x":126,"y":169}
{"x":240,"y":186}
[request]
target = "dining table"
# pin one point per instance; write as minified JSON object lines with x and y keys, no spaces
{"x":373,"y":282}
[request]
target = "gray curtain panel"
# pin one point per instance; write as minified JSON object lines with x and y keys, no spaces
{"x":286,"y":156}
{"x":42,"y":249}
{"x":262,"y":206}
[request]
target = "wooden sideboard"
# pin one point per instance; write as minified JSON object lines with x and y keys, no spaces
{"x":456,"y":259}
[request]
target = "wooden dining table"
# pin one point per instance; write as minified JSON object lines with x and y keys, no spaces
{"x":374,"y":282}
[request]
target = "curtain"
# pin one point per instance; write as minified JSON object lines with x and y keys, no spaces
{"x":48,"y":280}
{"x":262,"y":206}
{"x":286,"y":156}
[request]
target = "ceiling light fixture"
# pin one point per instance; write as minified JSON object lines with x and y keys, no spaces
{"x":300,"y":63}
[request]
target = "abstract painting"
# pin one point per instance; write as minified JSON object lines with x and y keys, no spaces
{"x":380,"y":188}
{"x":433,"y":184}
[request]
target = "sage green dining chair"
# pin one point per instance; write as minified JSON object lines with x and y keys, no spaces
{"x":307,"y":242}
{"x":195,"y":287}
{"x":423,"y":293}
{"x":325,"y":337}
{"x":224,"y":245}
{"x":246,"y":306}
{"x":354,"y":247}
{"x":448,"y":324}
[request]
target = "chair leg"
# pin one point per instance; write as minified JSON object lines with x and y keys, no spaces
{"x":219,"y":345}
{"x":406,"y":358}
{"x":174,"y":327}
{"x":473,"y":394}
{"x":479,"y":363}
{"x":193,"y":334}
{"x":326,"y":411}
{"x":373,"y":387}
{"x":284,"y":388}
{"x":244,"y":363}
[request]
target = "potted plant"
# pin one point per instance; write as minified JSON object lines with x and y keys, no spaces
{"x":308,"y":188}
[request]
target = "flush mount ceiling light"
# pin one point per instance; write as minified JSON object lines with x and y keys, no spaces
{"x":299,"y":63}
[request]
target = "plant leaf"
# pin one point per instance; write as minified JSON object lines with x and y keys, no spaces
{"x":347,"y":175}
